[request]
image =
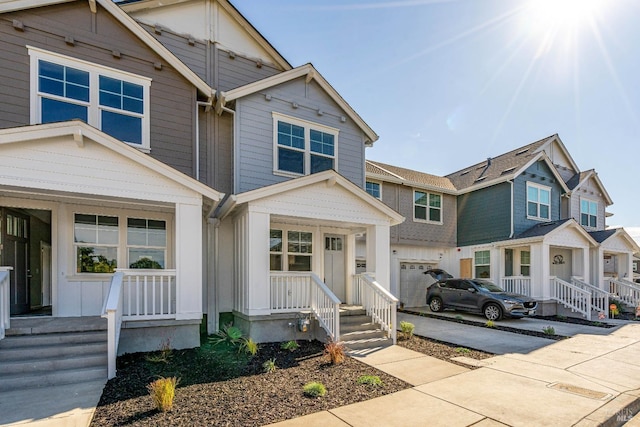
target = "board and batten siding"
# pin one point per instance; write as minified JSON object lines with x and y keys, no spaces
{"x":96,"y":36}
{"x":254,"y":130}
{"x":538,"y":173}
{"x":484,"y":215}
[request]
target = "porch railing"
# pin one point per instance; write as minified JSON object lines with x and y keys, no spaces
{"x":599,"y":298}
{"x":571,"y":296}
{"x":294,"y":292}
{"x":149,"y":294}
{"x":379,"y":303}
{"x":112,"y":310}
{"x":5,"y":303}
{"x":627,"y":291}
{"x":517,"y":284}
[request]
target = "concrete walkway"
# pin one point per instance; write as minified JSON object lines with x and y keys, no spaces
{"x":586,"y":380}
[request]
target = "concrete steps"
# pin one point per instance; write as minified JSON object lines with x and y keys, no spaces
{"x":358,"y":333}
{"x":55,"y":357}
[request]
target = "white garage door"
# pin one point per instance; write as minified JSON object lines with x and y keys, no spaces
{"x":413,"y":283}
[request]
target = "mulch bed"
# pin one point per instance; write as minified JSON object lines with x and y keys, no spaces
{"x":443,"y":350}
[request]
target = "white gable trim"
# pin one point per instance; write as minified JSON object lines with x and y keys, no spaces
{"x":556,"y":138}
{"x":592,"y":174}
{"x":620,"y":234}
{"x":310,"y":73}
{"x":572,"y":223}
{"x":130,"y":23}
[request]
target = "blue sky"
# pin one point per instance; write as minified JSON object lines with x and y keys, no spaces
{"x":447,"y":84}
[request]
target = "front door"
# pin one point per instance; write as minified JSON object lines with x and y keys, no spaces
{"x":561,"y":263}
{"x":508,"y":262}
{"x":334,"y":272}
{"x":15,"y":253}
{"x":465,"y":268}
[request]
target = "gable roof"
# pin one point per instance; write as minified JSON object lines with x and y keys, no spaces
{"x":135,"y":5}
{"x":79,"y":130}
{"x":576,"y":181}
{"x":539,"y":232}
{"x":408,"y":177}
{"x":603,"y":235}
{"x":331,"y":177}
{"x":17,"y":5}
{"x":310,"y":73}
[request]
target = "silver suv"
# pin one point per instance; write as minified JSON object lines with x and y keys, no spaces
{"x":479,"y":296}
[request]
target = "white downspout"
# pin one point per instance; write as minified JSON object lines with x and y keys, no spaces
{"x":235,"y":147}
{"x":512,"y":227}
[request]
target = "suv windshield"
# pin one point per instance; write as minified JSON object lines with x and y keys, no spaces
{"x":487,"y":286}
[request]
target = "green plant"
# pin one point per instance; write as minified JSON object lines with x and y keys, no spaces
{"x":335,"y":352}
{"x":163,"y":354}
{"x":249,"y":346}
{"x":463,"y":350}
{"x":314,"y":389}
{"x":407,"y":329}
{"x":162,"y":392}
{"x":614,"y":308}
{"x":229,"y":334}
{"x":561,"y":317}
{"x":290,"y":345}
{"x":372,"y":380}
{"x":459,"y":317}
{"x":549,"y":330}
{"x":269,"y":366}
{"x":490,"y":324}
{"x":146,"y":263}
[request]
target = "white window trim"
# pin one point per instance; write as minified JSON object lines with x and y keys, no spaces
{"x":539,"y":187}
{"x":427,"y":221}
{"x":93,"y":107}
{"x":307,"y":125}
{"x":481,"y":265}
{"x":597,"y":207}
{"x":128,"y":246}
{"x":285,"y":228}
{"x":373,"y":182}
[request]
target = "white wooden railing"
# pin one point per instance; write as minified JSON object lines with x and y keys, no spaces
{"x":517,"y":284}
{"x":112,"y":311}
{"x":599,"y":298}
{"x":379,"y":303}
{"x":294,"y":292}
{"x":625,"y":290}
{"x":149,"y":294}
{"x":5,"y":302}
{"x":571,"y":296}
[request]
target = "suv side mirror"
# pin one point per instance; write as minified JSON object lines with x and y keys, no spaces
{"x":472,"y":290}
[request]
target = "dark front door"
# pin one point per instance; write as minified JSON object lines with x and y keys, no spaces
{"x":508,"y":262}
{"x":15,"y":253}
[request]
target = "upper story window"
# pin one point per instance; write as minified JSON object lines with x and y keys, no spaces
{"x":538,"y":201}
{"x":588,"y":213}
{"x":373,"y":188}
{"x":64,"y":88}
{"x":303,"y":148}
{"x":427,"y":206}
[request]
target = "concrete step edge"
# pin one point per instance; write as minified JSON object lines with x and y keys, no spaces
{"x":25,"y":367}
{"x":53,"y":378}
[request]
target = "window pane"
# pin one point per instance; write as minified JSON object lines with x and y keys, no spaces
{"x":78,"y":77}
{"x":290,"y":135}
{"x":532,"y":194}
{"x":525,"y":270}
{"x":81,"y":93}
{"x":132,"y":90}
{"x":373,"y":188}
{"x":146,"y":258}
{"x":593,"y":208}
{"x":544,"y":211}
{"x":532,"y":209}
{"x":299,"y":242}
{"x":584,"y":219}
{"x":133,"y":105}
{"x":275,"y":241}
{"x":544,"y":196}
{"x":434,"y":200}
{"x":122,"y":127}
{"x":110,"y":100}
{"x":299,"y":263}
{"x":58,"y":111}
{"x":593,"y":221}
{"x":321,"y":163}
{"x":420,"y":212}
{"x":96,"y":259}
{"x":53,"y":87}
{"x":108,"y":230}
{"x":51,"y":70}
{"x":483,"y":272}
{"x":275,"y":262}
{"x":321,"y":142}
{"x":290,"y":161}
{"x":110,"y":85}
{"x":525,"y":257}
{"x":584,"y":206}
{"x":434,"y":214}
{"x":420,"y":198}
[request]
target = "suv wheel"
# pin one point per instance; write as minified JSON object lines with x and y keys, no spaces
{"x":492,"y":312}
{"x":436,"y":304}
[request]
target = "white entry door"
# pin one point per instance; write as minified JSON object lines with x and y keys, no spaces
{"x":561,"y":263}
{"x":334,"y":273}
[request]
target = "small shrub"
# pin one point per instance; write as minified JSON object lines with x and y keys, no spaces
{"x":407,"y":329}
{"x":490,"y":324}
{"x":229,"y":334}
{"x":372,"y":380}
{"x":269,"y":366}
{"x":249,"y":346}
{"x":162,"y":392}
{"x":459,"y":317}
{"x":335,"y":352}
{"x":290,"y":345}
{"x":561,"y":317}
{"x":163,"y":355}
{"x":614,"y":309}
{"x":314,"y":389}
{"x":549,"y":330}
{"x":463,"y":350}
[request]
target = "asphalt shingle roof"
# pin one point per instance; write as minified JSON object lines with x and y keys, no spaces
{"x":541,"y":229}
{"x":602,"y":235}
{"x":577,"y":179}
{"x":410,"y":176}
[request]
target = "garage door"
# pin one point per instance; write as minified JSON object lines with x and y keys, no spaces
{"x":413,"y":283}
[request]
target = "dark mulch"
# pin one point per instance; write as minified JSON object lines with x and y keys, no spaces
{"x":577,"y":321}
{"x":227,"y":389}
{"x":442,"y":350}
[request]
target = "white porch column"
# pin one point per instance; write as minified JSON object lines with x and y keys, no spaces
{"x":189,"y":261}
{"x":543,"y":264}
{"x":584,"y":266}
{"x":378,"y":259}
{"x":350,"y":267}
{"x":256,"y":263}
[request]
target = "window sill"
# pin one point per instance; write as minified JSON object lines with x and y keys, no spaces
{"x":424,"y":221}
{"x":90,"y":277}
{"x":288,"y":174}
{"x":535,"y":218}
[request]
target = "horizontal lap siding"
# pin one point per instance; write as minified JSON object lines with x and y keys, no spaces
{"x":594,"y":194}
{"x":538,"y":173}
{"x":484,"y":215}
{"x":233,"y":73}
{"x":97,"y":36}
{"x":255,"y":132}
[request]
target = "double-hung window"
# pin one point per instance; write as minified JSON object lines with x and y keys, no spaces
{"x":146,"y":243}
{"x":588,"y":213}
{"x":427,"y":206}
{"x":302,"y":147}
{"x":373,"y":188}
{"x":65,"y":88}
{"x":293,"y":247}
{"x":538,"y":201}
{"x":96,"y":240}
{"x":525,"y":263}
{"x":482,"y":264}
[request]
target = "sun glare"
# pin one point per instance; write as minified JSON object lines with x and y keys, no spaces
{"x":555,"y":15}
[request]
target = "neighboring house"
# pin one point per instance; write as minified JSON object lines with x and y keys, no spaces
{"x":137,"y":120}
{"x":425,"y":239}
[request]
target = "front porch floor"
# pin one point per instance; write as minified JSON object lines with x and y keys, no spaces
{"x":50,"y":325}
